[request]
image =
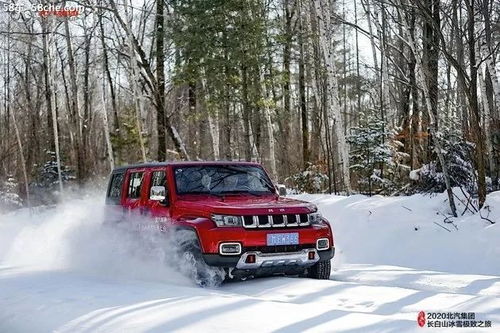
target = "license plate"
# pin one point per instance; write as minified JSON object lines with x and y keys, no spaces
{"x":291,"y":238}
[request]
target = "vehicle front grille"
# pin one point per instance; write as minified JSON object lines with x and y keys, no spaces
{"x":279,"y":248}
{"x":275,"y":221}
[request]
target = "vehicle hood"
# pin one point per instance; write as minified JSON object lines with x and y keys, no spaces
{"x":241,"y":205}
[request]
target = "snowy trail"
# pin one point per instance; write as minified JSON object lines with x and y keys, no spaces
{"x":60,"y":271}
{"x":45,"y":301}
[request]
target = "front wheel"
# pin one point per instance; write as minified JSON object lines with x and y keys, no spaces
{"x":192,"y":264}
{"x":320,"y":270}
{"x":202,"y":274}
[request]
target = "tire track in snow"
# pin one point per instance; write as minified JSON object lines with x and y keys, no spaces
{"x":421,"y":280}
{"x":73,"y":302}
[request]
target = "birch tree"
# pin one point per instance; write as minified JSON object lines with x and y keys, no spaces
{"x":323,"y":10}
{"x":48,"y":48}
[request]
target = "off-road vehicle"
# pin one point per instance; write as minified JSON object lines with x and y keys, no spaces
{"x":228,"y":217}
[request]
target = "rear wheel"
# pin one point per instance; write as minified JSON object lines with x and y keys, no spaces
{"x":321,"y":270}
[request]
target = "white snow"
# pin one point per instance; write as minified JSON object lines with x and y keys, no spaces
{"x":60,"y":271}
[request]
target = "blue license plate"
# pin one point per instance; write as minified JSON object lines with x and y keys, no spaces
{"x":291,"y":238}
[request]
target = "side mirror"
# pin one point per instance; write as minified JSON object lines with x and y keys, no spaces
{"x":282,"y":190}
{"x":157,"y":193}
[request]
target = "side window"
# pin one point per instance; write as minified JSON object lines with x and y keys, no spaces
{"x":115,"y":188}
{"x":158,"y":178}
{"x":134,"y":185}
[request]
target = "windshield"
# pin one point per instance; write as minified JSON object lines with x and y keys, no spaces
{"x":222,"y":179}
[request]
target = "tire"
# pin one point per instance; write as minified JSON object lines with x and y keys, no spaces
{"x":321,"y":270}
{"x":191,"y":264}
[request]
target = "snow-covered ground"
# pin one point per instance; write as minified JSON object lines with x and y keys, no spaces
{"x":60,"y":271}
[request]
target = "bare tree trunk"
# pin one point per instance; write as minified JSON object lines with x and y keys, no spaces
{"x":87,"y":100}
{"x":246,"y":116}
{"x":473,"y":104}
{"x":269,"y":128}
{"x":214,"y":132}
{"x":460,"y":59}
{"x":428,"y":103}
{"x":50,"y":46}
{"x":7,"y":94}
{"x":75,"y":110}
{"x":367,"y":7}
{"x":306,"y":153}
{"x":138,"y":100}
{"x":160,"y":79}
{"x":21,"y":156}
{"x":204,"y":130}
{"x":47,"y":86}
{"x":385,"y":109}
{"x":270,"y":136}
{"x":358,"y":79}
{"x":109,"y":146}
{"x":285,"y":119}
{"x":430,"y":58}
{"x":488,"y":54}
{"x":487,"y":121}
{"x":437,"y":144}
{"x":323,"y":10}
{"x":319,"y":92}
{"x":116,"y":119}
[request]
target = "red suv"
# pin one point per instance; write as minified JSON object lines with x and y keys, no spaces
{"x":227,"y":217}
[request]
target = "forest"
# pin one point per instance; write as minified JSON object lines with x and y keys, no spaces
{"x":388,"y":97}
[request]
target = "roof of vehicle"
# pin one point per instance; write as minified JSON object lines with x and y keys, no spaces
{"x":179,"y":163}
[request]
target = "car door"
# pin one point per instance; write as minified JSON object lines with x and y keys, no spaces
{"x":159,"y":211}
{"x":134,"y":191}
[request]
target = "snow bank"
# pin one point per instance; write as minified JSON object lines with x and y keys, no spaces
{"x":412,"y":232}
{"x":400,"y":231}
{"x":72,"y":237}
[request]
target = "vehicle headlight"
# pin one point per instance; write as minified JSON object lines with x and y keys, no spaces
{"x":315,"y":218}
{"x":227,"y":220}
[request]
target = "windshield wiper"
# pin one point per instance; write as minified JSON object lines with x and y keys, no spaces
{"x":216,"y":194}
{"x":241,"y":192}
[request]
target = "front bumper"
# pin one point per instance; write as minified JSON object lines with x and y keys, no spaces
{"x":266,"y":260}
{"x":211,"y":237}
{"x":277,"y":261}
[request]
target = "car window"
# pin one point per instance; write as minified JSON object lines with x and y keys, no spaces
{"x":134,"y":185}
{"x":158,"y":178}
{"x":222,"y":179}
{"x":115,"y":188}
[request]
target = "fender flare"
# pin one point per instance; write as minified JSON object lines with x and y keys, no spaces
{"x":183,"y":225}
